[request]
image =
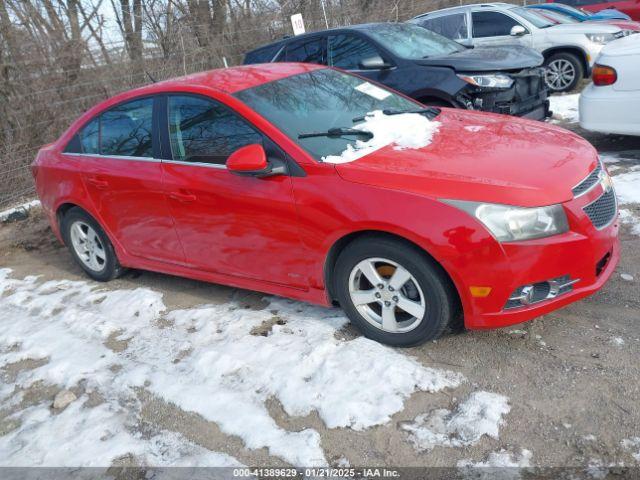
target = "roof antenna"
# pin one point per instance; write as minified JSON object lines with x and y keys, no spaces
{"x":153,"y":80}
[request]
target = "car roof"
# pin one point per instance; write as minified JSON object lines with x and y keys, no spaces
{"x":469,"y":6}
{"x":228,"y":80}
{"x":359,"y":27}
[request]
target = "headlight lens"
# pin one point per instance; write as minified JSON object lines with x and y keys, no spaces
{"x":511,"y":224}
{"x":601,"y":38}
{"x":488,"y":81}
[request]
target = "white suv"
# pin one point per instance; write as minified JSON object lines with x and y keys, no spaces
{"x":569,"y":49}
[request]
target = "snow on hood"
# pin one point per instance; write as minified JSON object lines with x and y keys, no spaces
{"x":406,"y":130}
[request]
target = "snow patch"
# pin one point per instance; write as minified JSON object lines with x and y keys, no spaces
{"x":25,"y":206}
{"x":480,"y":414}
{"x":203,"y":359}
{"x":565,"y":107}
{"x":627,"y":187}
{"x":474,"y":128}
{"x":406,"y":130}
{"x":617,"y":341}
{"x":502,"y":465}
{"x":632,"y":444}
{"x":629,"y":218}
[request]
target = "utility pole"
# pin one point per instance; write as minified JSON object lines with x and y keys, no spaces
{"x":324,"y":11}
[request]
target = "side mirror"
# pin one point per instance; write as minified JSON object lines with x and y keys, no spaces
{"x":466,"y":42}
{"x":518,"y":31}
{"x":374,"y":63}
{"x":251,"y":161}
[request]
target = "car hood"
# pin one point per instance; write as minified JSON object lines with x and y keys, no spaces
{"x":482,"y":157}
{"x":622,"y":24}
{"x":493,"y":59}
{"x":622,"y":47}
{"x":585,"y":27}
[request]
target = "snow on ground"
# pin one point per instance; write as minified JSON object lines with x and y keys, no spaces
{"x":480,"y":414}
{"x":406,"y":130}
{"x":633,"y":444}
{"x":565,"y":107}
{"x":502,"y":465}
{"x":25,"y":206}
{"x":204,"y":360}
{"x":627,"y":186}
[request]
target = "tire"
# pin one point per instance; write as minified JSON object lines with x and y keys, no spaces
{"x":428,"y":286}
{"x":558,"y":67}
{"x":95,"y":255}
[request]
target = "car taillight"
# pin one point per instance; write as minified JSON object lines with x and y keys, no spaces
{"x":603,"y":75}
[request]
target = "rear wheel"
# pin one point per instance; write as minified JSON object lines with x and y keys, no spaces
{"x":564,"y":72}
{"x":393,"y":292}
{"x":90,"y":246}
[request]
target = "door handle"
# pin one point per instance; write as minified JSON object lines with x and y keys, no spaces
{"x":183,"y":197}
{"x":99,"y":184}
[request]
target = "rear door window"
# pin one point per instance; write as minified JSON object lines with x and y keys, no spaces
{"x":204,"y":131}
{"x":492,"y":24}
{"x":309,"y":51}
{"x":450,"y":26}
{"x":126,"y":130}
{"x":348,"y":51}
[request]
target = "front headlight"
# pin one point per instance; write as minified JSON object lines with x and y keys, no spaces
{"x":488,"y":81}
{"x":511,"y":224}
{"x":601,"y":38}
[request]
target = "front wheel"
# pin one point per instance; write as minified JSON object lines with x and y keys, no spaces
{"x":393,"y":292}
{"x":564,"y":72}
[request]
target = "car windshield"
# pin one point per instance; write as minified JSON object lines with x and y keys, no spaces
{"x":581,"y":14}
{"x":318,"y":101}
{"x":412,"y":41}
{"x":533,"y":17}
{"x":557,"y":16}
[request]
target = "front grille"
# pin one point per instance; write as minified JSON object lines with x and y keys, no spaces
{"x":529,"y":83}
{"x":586,"y":184}
{"x":602,"y":211}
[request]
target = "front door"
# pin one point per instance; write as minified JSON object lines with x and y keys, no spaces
{"x":240,"y":226}
{"x":490,"y":29}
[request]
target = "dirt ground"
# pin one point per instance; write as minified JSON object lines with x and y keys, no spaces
{"x":573,"y":388}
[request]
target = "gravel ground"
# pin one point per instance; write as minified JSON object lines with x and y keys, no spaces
{"x":572,"y":378}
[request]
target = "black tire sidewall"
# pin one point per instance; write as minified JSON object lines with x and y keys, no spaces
{"x":577,"y":65}
{"x":438,"y":311}
{"x":112,"y":267}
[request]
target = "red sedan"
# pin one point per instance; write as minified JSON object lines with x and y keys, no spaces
{"x":278,"y":178}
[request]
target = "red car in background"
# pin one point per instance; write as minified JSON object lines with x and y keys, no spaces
{"x":630,"y":7}
{"x":268,"y":178}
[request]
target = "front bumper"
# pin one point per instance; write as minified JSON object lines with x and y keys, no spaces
{"x":585,"y":253}
{"x":526,"y":98}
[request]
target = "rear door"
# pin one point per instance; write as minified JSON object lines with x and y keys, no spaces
{"x":234,"y":225}
{"x":122,"y":175}
{"x":490,"y":28}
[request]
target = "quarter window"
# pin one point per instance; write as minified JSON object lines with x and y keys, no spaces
{"x":492,"y":24}
{"x":347,"y":51}
{"x":90,"y":138}
{"x":450,"y":26}
{"x":126,"y":130}
{"x":203,"y":131}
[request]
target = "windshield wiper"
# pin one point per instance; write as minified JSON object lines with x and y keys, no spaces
{"x":338,"y":132}
{"x":431,"y":112}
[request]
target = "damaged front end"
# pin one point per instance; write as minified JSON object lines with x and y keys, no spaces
{"x":522,"y":93}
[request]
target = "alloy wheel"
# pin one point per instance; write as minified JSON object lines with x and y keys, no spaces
{"x":88,"y":246}
{"x":387,"y":295}
{"x":560,"y":74}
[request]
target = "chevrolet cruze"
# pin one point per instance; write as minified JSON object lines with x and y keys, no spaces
{"x":311,"y":183}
